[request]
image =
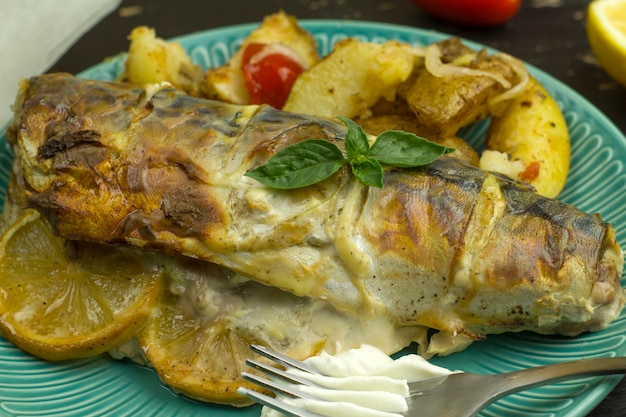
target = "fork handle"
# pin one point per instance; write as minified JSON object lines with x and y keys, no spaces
{"x":534,"y":377}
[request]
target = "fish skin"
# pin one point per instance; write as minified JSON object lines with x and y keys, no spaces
{"x":446,"y":246}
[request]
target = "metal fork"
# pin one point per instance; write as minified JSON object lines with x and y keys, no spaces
{"x":432,"y":397}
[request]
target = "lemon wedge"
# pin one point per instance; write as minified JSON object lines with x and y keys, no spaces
{"x":606,"y":31}
{"x":60,"y":299}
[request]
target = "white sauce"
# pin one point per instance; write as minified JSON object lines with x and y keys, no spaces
{"x":361,"y":382}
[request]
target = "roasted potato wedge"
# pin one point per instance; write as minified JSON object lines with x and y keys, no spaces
{"x":154,"y":60}
{"x":352,"y":78}
{"x":443,"y":105}
{"x":532,"y":129}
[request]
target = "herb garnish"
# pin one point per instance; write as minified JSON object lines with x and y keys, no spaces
{"x":313,"y":160}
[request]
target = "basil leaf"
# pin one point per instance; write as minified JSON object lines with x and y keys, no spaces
{"x":356,"y":140}
{"x":368,"y":171}
{"x":403,"y":149}
{"x":298,"y":165}
{"x":314,"y":160}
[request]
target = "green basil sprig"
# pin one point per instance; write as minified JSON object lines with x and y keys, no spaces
{"x":313,"y":160}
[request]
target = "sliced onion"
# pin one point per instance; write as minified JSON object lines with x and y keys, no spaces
{"x":522,"y":74}
{"x":436,"y":67}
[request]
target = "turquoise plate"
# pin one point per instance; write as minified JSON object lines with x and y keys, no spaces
{"x":104,"y":387}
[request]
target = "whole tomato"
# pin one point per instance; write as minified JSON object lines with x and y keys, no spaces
{"x":471,"y":12}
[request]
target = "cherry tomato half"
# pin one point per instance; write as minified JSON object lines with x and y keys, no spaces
{"x":269,"y":73}
{"x":471,"y":12}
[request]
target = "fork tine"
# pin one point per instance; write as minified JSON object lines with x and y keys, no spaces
{"x":277,"y":405}
{"x":277,"y":387}
{"x":282,"y":359}
{"x":278,"y":373}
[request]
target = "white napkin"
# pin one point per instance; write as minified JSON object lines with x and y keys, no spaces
{"x":34,"y":34}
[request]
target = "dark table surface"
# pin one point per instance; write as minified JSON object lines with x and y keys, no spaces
{"x":549,"y":34}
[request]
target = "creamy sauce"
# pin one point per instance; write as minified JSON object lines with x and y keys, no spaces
{"x":361,"y":382}
{"x":300,"y":326}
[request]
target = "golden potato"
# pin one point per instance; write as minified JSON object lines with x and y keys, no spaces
{"x":444,"y":104}
{"x":532,"y":129}
{"x":153,"y":60}
{"x":398,"y":106}
{"x":352,"y":78}
{"x":377,"y":124}
{"x":462,"y":149}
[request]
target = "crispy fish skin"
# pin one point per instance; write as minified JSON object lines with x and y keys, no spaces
{"x":446,"y":246}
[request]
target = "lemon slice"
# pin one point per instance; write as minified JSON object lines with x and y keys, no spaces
{"x":200,"y":361}
{"x":606,"y":31}
{"x":60,"y":299}
{"x":199,"y":337}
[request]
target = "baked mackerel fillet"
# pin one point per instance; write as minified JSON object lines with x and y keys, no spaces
{"x":446,"y":246}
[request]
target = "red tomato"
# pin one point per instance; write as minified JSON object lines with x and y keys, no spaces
{"x":472,"y":12}
{"x":269,"y":73}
